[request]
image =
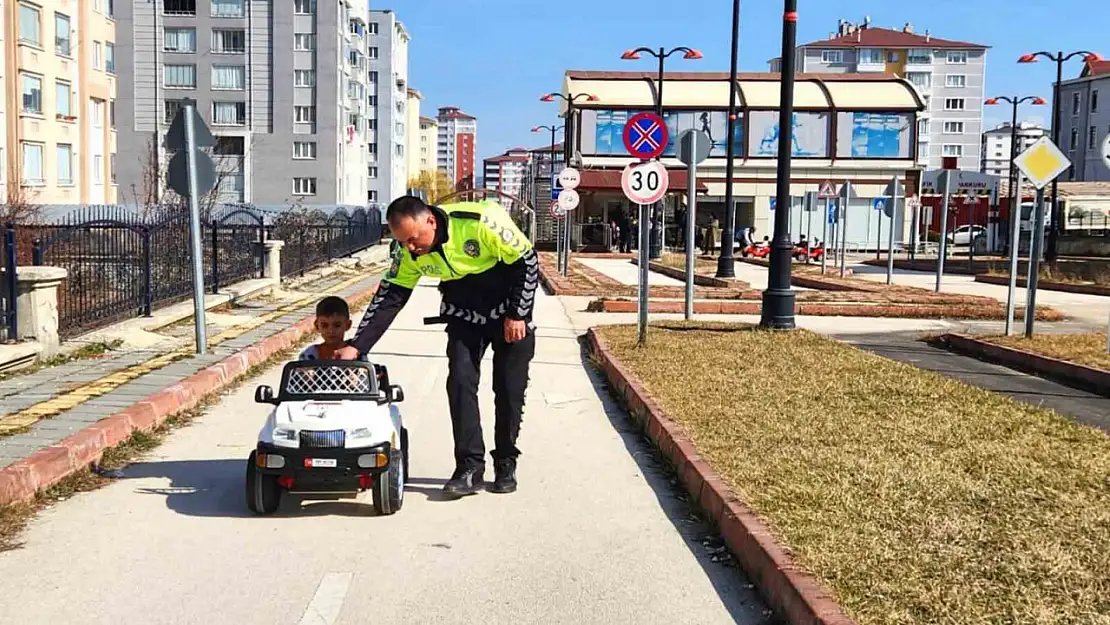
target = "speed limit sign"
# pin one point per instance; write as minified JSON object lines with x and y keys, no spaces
{"x":644,"y":183}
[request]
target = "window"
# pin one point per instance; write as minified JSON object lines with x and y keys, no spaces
{"x":372,"y":124}
{"x":954,"y":104}
{"x":892,"y":57}
{"x":1094,"y":100}
{"x":63,"y":95}
{"x":921,"y":80}
{"x":832,"y":57}
{"x":1074,"y":142}
{"x":32,"y":94}
{"x":32,"y":164}
{"x":98,"y":169}
{"x":228,"y":8}
{"x":304,"y":149}
{"x":179,"y":7}
{"x":112,"y":113}
{"x":63,"y":42}
{"x":229,"y":77}
{"x":172,"y":108}
{"x":374,"y":76}
{"x":230,"y":146}
{"x":372,"y":52}
{"x":30,"y":25}
{"x":112,"y":157}
{"x":955,"y":81}
{"x":304,"y":7}
{"x":957,"y":57}
{"x":372,"y":28}
{"x":372,"y":100}
{"x":304,"y":114}
{"x":97,"y":113}
{"x":304,"y":78}
{"x":304,"y":41}
{"x":65,"y":163}
{"x":112,"y":13}
{"x":372,"y":171}
{"x":110,"y":57}
{"x":304,"y":186}
{"x":953,"y":150}
{"x":372,"y":148}
{"x":870,"y":56}
{"x":97,"y":54}
{"x":920,"y":56}
{"x":1075,"y":103}
{"x":953,"y":128}
{"x":229,"y":113}
{"x":180,"y":40}
{"x":1092,"y":137}
{"x":923,"y":129}
{"x":229,"y":41}
{"x":180,"y":76}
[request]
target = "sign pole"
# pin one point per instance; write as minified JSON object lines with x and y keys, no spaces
{"x":893,"y":220}
{"x":844,"y":234}
{"x":691,"y":206}
{"x":825,"y":237}
{"x":566,"y":248}
{"x":194,"y":230}
{"x":642,"y":309}
{"x":943,"y":228}
{"x":1015,"y":240}
{"x":1034,"y":266}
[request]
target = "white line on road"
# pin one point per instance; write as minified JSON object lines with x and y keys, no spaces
{"x":328,"y":600}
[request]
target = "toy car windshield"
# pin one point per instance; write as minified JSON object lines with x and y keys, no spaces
{"x":328,"y":379}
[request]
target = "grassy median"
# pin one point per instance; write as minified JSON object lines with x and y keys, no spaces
{"x":916,"y":498}
{"x":1087,"y":349}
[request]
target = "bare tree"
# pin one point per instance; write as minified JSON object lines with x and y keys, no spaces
{"x":19,"y":206}
{"x":151,"y":191}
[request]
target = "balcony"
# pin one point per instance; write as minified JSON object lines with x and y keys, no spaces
{"x":919,"y":61}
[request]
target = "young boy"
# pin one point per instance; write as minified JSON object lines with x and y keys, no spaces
{"x":333,"y":319}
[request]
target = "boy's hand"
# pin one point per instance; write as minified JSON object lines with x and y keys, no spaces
{"x":346,"y":353}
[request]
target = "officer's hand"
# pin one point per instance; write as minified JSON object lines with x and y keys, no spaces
{"x":346,"y":353}
{"x":514,"y":330}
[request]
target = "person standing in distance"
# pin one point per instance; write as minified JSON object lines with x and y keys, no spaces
{"x":488,"y":276}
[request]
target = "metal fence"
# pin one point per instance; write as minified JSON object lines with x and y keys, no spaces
{"x":124,"y":262}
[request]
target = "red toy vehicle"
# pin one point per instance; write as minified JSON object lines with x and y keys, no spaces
{"x":815,"y":253}
{"x":757,"y":251}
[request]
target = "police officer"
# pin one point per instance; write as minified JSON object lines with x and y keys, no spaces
{"x":488,"y":276}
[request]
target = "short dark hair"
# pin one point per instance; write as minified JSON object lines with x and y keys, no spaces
{"x":405,"y":206}
{"x":332,"y":306}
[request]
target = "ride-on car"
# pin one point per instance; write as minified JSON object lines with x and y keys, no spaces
{"x":335,"y":430}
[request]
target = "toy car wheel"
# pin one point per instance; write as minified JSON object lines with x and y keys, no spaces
{"x":405,"y":452}
{"x":389,"y":487}
{"x":263,"y":491}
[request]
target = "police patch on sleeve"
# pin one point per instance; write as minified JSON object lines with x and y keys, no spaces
{"x":471,"y":248}
{"x":395,"y":266}
{"x":506,"y":235}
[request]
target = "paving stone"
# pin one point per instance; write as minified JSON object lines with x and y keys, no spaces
{"x":84,"y":414}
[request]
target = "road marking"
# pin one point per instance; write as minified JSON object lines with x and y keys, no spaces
{"x":328,"y":600}
{"x":91,"y":390}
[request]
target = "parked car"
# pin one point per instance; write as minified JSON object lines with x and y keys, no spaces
{"x":962,"y":235}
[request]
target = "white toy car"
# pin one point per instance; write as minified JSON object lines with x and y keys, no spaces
{"x":335,"y":431}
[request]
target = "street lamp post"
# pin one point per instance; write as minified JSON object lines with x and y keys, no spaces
{"x":551,"y":178}
{"x":778,"y":299}
{"x":570,"y":128}
{"x":1060,"y":58}
{"x":1014,"y":101}
{"x":725,"y":261}
{"x":656,"y":248}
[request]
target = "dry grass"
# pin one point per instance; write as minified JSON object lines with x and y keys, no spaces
{"x":916,"y":498}
{"x":1083,"y":349}
{"x":678,"y":261}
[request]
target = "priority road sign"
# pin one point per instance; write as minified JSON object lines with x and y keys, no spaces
{"x":644,"y":183}
{"x":827,"y":191}
{"x":1042,"y":162}
{"x":646,"y":135}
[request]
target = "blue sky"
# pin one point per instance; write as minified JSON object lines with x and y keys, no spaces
{"x":494,"y":58}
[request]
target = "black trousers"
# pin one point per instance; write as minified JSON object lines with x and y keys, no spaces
{"x":466,"y":345}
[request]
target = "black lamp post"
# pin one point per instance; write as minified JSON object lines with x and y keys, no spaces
{"x":571,"y":127}
{"x":725,"y":261}
{"x":1060,"y":58}
{"x":551,"y":178}
{"x":778,"y":299}
{"x":656,"y":249}
{"x":1015,"y":101}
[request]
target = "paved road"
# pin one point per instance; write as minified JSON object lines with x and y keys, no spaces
{"x":594,"y":535}
{"x":1082,"y":406}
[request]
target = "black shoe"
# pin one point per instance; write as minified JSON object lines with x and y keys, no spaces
{"x":504,"y":480}
{"x":464,"y":482}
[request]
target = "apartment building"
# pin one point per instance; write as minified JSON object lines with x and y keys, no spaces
{"x":389,"y":75}
{"x":282,"y":86}
{"x":59,"y":138}
{"x":457,"y":145}
{"x":428,"y":135}
{"x":1085,"y":121}
{"x":508,"y":173}
{"x":996,"y":145}
{"x":412,"y":134}
{"x":949,"y":75}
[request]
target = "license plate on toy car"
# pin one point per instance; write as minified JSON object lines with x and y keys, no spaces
{"x":320,"y":462}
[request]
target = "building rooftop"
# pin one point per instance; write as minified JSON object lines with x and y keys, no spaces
{"x":453,"y":112}
{"x":866,"y":36}
{"x":428,"y":120}
{"x":1095,"y":68}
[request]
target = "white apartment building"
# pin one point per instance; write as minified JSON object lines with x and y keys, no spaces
{"x":389,"y":77}
{"x":508,"y":173}
{"x":949,"y":75}
{"x":428,"y":135}
{"x":996,"y":145}
{"x":456,"y":146}
{"x":412,"y":134}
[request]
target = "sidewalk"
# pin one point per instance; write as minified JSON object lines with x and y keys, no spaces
{"x":40,"y":409}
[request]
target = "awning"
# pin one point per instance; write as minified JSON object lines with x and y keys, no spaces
{"x":610,"y":180}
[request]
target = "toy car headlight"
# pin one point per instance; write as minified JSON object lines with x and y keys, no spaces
{"x":285,"y":434}
{"x":360,"y":433}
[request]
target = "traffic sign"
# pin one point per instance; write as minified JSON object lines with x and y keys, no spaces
{"x":645,"y":135}
{"x":879,"y":203}
{"x":894,"y":188}
{"x":774,"y":201}
{"x":175,"y":136}
{"x":810,"y":204}
{"x":177,"y":173}
{"x":1042,"y":162}
{"x":556,"y":188}
{"x":644,"y":183}
{"x":557,"y":211}
{"x":694,"y":146}
{"x":1106,"y":151}
{"x":827,"y":191}
{"x":569,"y":178}
{"x":568,"y":199}
{"x":830,"y":216}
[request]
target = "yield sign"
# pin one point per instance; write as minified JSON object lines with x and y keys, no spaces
{"x":828,"y":190}
{"x":646,"y":135}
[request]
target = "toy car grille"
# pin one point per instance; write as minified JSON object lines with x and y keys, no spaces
{"x":323,"y":439}
{"x":327,"y":379}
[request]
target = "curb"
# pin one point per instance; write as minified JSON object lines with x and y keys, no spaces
{"x":21,"y":480}
{"x":759,"y":262}
{"x":1048,"y":285}
{"x":952,"y":265}
{"x":793,"y":594}
{"x":724,"y":307}
{"x":1082,"y":377}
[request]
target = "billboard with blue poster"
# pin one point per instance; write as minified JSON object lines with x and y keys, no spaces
{"x":810,"y":137}
{"x":874,"y":135}
{"x":602,"y":131}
